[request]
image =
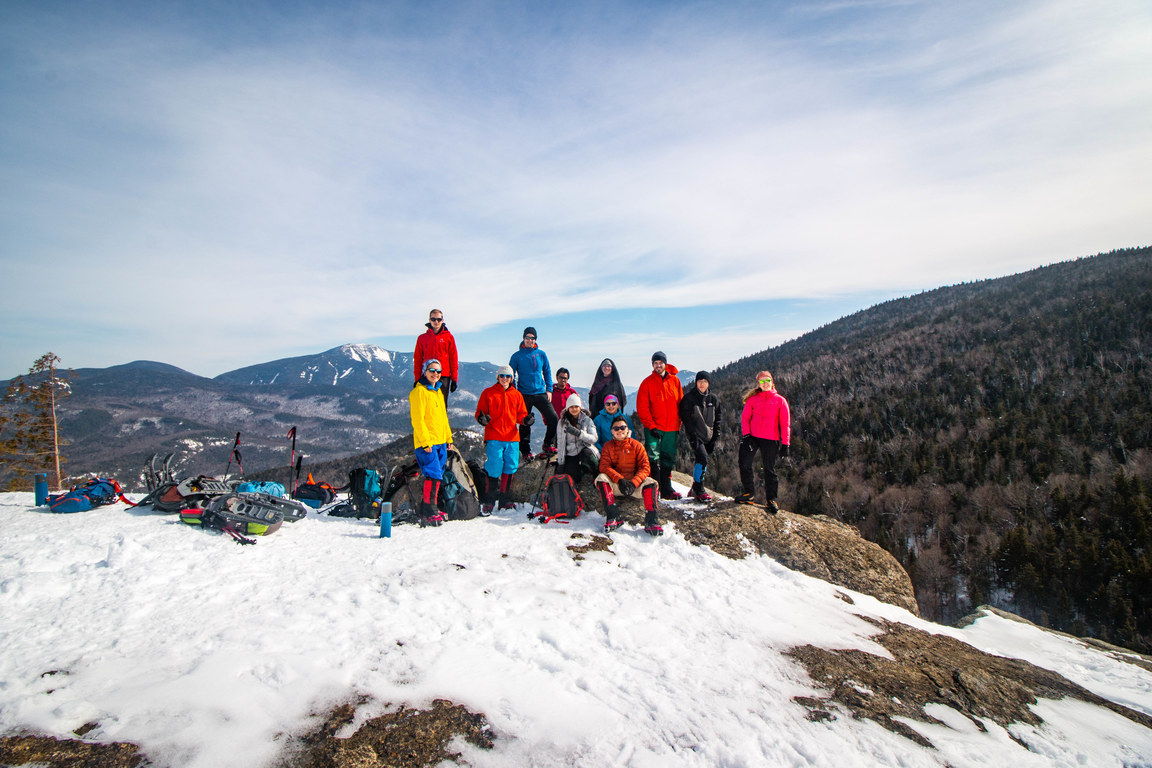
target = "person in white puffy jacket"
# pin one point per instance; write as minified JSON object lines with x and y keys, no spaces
{"x":576,"y":450}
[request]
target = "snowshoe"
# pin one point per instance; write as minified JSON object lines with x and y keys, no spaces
{"x":654,"y":530}
{"x":613,"y":524}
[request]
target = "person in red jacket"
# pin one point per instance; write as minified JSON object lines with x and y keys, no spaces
{"x":561,"y":391}
{"x":765,"y":426}
{"x":658,"y":408}
{"x":437,"y":342}
{"x":501,"y":411}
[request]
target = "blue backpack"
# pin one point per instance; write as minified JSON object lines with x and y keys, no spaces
{"x":97,"y":492}
{"x":265,"y":486}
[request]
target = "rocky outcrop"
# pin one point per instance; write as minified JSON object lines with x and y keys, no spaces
{"x":817,"y":546}
{"x":925,"y":668}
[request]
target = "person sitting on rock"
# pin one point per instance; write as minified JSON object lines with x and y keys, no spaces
{"x":576,"y":441}
{"x":604,"y":419}
{"x":624,"y":468}
{"x":501,"y":411}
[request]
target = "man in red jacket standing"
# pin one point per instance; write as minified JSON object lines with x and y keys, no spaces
{"x":658,"y":408}
{"x":437,"y":342}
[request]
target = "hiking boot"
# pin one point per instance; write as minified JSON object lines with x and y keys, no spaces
{"x":744,"y":498}
{"x":486,"y":510}
{"x":698,"y":493}
{"x":612,"y":513}
{"x":652,"y":525}
{"x":772,"y":506}
{"x":670,"y":494}
{"x":432,"y":520}
{"x":550,"y":451}
{"x":666,"y":490}
{"x":507,"y":504}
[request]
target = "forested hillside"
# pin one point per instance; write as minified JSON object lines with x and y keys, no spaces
{"x":993,"y":436}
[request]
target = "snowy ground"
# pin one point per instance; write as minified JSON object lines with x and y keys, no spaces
{"x":659,"y":654}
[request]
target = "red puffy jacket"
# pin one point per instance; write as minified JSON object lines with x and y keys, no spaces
{"x":507,"y":409}
{"x":441,"y":346}
{"x":658,"y":401}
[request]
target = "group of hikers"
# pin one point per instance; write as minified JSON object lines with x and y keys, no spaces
{"x":593,"y":439}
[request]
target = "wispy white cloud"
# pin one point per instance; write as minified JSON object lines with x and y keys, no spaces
{"x":326,"y":178}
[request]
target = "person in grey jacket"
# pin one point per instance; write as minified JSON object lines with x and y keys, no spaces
{"x":576,"y":441}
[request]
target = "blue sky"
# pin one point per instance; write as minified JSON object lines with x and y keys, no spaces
{"x":213,"y":185}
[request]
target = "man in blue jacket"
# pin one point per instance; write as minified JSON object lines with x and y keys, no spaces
{"x":533,"y":377}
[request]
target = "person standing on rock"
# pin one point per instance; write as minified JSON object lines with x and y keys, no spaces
{"x":432,"y":436}
{"x":700,"y":413}
{"x":500,"y":410}
{"x":561,"y":391}
{"x":658,"y":408}
{"x":606,"y":382}
{"x":765,"y":427}
{"x":533,"y":378}
{"x":437,"y":342}
{"x":624,"y":469}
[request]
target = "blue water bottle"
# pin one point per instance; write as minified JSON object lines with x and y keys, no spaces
{"x":41,"y":488}
{"x":385,"y":519}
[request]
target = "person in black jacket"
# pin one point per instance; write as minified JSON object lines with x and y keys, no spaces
{"x":700,"y":414}
{"x":607,"y":382}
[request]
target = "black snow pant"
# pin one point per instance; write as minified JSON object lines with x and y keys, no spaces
{"x":544,"y":405}
{"x":579,"y":465}
{"x":768,"y":451}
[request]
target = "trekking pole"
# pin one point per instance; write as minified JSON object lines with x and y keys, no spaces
{"x":292,"y":434}
{"x":296,"y":482}
{"x":235,"y":453}
{"x":536,"y":498}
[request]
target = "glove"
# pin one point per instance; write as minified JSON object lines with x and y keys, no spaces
{"x":656,"y":433}
{"x":784,"y":452}
{"x":451,"y":385}
{"x":626,"y":487}
{"x":483,"y":418}
{"x":528,"y":420}
{"x":572,"y":430}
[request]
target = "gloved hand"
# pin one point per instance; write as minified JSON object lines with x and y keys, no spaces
{"x":784,"y":452}
{"x":572,"y":429}
{"x":528,"y":420}
{"x":451,"y":385}
{"x":484,"y":419}
{"x":626,"y":487}
{"x":656,"y":433}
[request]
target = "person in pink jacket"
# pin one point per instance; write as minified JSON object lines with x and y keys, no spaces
{"x":765,"y":426}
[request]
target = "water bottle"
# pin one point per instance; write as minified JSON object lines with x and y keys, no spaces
{"x":41,"y":488}
{"x":385,"y":519}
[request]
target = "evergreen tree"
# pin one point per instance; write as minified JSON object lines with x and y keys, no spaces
{"x":29,"y":433}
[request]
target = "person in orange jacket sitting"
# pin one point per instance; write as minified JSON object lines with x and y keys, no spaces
{"x":624,"y":468}
{"x":658,"y":408}
{"x":501,"y":411}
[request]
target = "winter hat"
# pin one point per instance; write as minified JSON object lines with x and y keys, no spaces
{"x":427,"y":363}
{"x":529,"y":331}
{"x":505,"y":370}
{"x":703,"y":376}
{"x":573,"y":400}
{"x":611,"y":399}
{"x":660,"y":356}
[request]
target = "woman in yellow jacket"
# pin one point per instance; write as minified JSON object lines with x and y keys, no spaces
{"x":432,"y":435}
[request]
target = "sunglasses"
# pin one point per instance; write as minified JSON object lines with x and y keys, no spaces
{"x":766,"y":381}
{"x":503,"y":375}
{"x":619,"y":429}
{"x":529,"y":338}
{"x":434,"y":370}
{"x":435,"y":319}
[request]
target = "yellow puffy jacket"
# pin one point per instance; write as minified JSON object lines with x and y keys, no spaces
{"x":429,"y":415}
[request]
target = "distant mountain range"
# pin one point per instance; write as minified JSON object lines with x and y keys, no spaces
{"x":343,"y":401}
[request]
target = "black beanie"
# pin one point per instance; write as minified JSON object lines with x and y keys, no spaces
{"x":529,"y":331}
{"x":659,"y":356}
{"x":703,"y":376}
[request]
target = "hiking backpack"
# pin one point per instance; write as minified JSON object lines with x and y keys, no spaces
{"x":97,"y":492}
{"x":315,"y":494}
{"x":364,"y":492}
{"x":402,"y":493}
{"x":458,"y":490}
{"x":264,"y":486}
{"x":560,"y":501}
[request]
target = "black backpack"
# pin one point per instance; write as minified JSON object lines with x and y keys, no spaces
{"x":458,"y":496}
{"x":560,"y":501}
{"x":364,"y":492}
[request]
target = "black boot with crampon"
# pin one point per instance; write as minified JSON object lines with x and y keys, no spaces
{"x":652,"y":525}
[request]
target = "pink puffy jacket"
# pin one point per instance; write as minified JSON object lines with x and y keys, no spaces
{"x":766,"y":415}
